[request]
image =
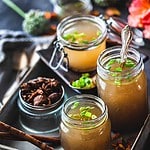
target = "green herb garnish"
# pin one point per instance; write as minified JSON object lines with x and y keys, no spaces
{"x":118,"y":81}
{"x":74,"y":37}
{"x":84,"y":82}
{"x":83,"y":113}
{"x":118,"y":69}
{"x":98,"y":33}
{"x":75,"y":105}
{"x":114,"y":65}
{"x":129,"y":63}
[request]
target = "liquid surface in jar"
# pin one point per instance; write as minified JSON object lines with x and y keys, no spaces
{"x":125,"y":97}
{"x":83,"y":112}
{"x":93,"y":137}
{"x":116,"y":69}
{"x":81,"y":35}
{"x":116,"y":66}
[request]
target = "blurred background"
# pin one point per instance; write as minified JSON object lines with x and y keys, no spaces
{"x":11,"y":20}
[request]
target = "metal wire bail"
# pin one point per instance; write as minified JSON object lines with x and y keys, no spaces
{"x":63,"y":61}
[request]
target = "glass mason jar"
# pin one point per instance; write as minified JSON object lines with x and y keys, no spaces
{"x":66,"y":8}
{"x":106,"y":3}
{"x":77,"y":133}
{"x":40,"y":119}
{"x":82,"y":38}
{"x":124,"y":90}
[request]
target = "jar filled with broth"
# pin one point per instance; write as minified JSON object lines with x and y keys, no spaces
{"x":85,"y":124}
{"x":123,"y":89}
{"x":82,"y":38}
{"x":66,"y":8}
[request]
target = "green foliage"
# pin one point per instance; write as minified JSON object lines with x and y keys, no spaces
{"x":35,"y":23}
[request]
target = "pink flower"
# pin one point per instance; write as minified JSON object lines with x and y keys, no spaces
{"x":139,"y":15}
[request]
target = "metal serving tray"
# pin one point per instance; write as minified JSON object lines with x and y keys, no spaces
{"x":9,"y":113}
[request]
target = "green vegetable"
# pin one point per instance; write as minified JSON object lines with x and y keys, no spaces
{"x":75,"y":105}
{"x":99,"y":33}
{"x":34,"y":23}
{"x":118,"y":69}
{"x":84,"y":82}
{"x":75,"y":37}
{"x":129,"y":63}
{"x":118,"y":81}
{"x":114,"y":65}
{"x":85,"y":113}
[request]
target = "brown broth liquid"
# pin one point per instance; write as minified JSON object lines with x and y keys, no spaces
{"x":127,"y":102}
{"x":86,"y":138}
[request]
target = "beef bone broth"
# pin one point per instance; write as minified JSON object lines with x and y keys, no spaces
{"x":124,"y":90}
{"x":85,"y":124}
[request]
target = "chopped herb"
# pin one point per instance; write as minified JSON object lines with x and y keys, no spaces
{"x":130,"y":63}
{"x":88,"y":114}
{"x":114,"y":74}
{"x":83,"y":82}
{"x":114,"y":65}
{"x":75,"y":105}
{"x":75,"y":116}
{"x":117,"y":82}
{"x":94,"y":117}
{"x":98,"y":33}
{"x":110,"y":63}
{"x":74,"y":37}
{"x":85,"y":41}
{"x":82,"y":113}
{"x":118,"y":69}
{"x":107,"y":67}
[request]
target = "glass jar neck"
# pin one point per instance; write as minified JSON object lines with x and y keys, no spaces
{"x":69,"y":23}
{"x":86,"y":98}
{"x":114,"y":53}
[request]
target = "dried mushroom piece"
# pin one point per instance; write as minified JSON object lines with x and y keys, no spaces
{"x":41,"y":91}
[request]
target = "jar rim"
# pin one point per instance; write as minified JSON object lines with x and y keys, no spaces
{"x":79,"y":17}
{"x":43,"y":108}
{"x":87,"y":98}
{"x":115,"y":53}
{"x":86,"y":4}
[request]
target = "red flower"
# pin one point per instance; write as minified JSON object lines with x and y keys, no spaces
{"x":139,"y":15}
